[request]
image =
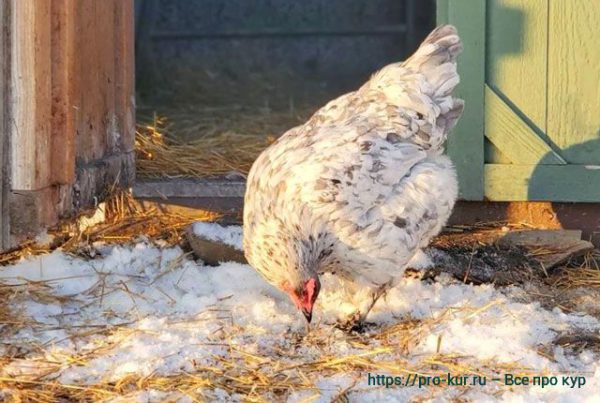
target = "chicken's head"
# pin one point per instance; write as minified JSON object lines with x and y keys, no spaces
{"x":290,"y":262}
{"x":304,"y":295}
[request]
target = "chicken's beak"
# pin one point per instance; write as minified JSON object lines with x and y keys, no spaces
{"x":307,"y":314}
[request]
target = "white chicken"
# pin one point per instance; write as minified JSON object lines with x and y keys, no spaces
{"x":363,"y":185}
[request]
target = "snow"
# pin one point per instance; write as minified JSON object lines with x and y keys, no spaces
{"x":231,"y":235}
{"x":171,"y":315}
{"x":98,"y":216}
{"x":420,"y":261}
{"x":44,"y":238}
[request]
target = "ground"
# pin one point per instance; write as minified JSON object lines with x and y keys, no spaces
{"x":143,"y":320}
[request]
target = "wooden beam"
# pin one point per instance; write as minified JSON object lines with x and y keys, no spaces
{"x":30,"y":94}
{"x":124,"y":73}
{"x":167,"y":188}
{"x":91,"y":118}
{"x":33,"y":210}
{"x":512,"y":136}
{"x":106,"y":56}
{"x":557,"y":183}
{"x":63,"y":89}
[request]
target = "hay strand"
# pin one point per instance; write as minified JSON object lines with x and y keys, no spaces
{"x":208,"y":142}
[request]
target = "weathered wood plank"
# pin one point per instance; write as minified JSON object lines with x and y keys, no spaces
{"x":465,"y":144}
{"x":30,"y":94}
{"x":567,"y":183}
{"x":124,"y":73}
{"x":562,"y":244}
{"x":77,"y":83}
{"x":83,"y":139}
{"x":573,"y":85}
{"x":32,"y":210}
{"x":129,"y":76}
{"x":95,"y":107}
{"x":512,"y":136}
{"x":105,"y":30}
{"x":63,"y":114}
{"x":60,"y":93}
{"x":90,"y":146}
{"x":188,"y":188}
{"x":516,"y":54}
{"x":5,"y":27}
{"x":96,"y":179}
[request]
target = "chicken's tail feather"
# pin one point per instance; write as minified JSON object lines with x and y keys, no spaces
{"x":436,"y":60}
{"x":441,"y":46}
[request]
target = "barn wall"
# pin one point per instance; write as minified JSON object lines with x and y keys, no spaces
{"x":71,"y":98}
{"x":270,"y":51}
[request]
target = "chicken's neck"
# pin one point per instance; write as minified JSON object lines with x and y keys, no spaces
{"x":312,"y":252}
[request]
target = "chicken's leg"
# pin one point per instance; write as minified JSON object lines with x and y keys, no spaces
{"x":356,"y":321}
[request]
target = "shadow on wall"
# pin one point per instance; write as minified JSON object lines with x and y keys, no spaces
{"x":504,"y":33}
{"x":510,"y":33}
{"x":568,"y":182}
{"x":573,"y":183}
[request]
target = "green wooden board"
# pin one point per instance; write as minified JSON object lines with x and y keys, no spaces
{"x":465,"y":144}
{"x":514,"y":137}
{"x":564,"y":183}
{"x":542,"y":99}
{"x":516,"y":43}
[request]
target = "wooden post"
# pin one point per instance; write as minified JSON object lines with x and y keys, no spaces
{"x":4,"y":123}
{"x":66,"y":109}
{"x":30,"y":94}
{"x":64,"y":86}
{"x":466,"y":143}
{"x":124,"y":73}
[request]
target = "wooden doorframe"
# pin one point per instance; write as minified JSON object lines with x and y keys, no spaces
{"x":466,"y":142}
{"x":63,"y":146}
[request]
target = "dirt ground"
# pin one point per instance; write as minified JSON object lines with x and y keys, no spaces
{"x":477,"y":255}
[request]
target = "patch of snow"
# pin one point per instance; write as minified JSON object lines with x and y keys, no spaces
{"x":65,"y":275}
{"x":420,"y":261}
{"x":231,"y":235}
{"x":152,"y":396}
{"x":170,"y":315}
{"x":84,"y":222}
{"x":43,"y":238}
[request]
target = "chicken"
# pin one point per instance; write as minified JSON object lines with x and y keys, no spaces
{"x":362,"y":186}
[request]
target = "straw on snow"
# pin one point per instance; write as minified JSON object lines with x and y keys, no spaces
{"x":257,"y":375}
{"x":253,"y":376}
{"x":125,"y":220}
{"x":244,"y":372}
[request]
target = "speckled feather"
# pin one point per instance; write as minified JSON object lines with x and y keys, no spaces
{"x":362,"y":185}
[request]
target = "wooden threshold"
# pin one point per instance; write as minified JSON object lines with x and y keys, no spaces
{"x":228,"y":197}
